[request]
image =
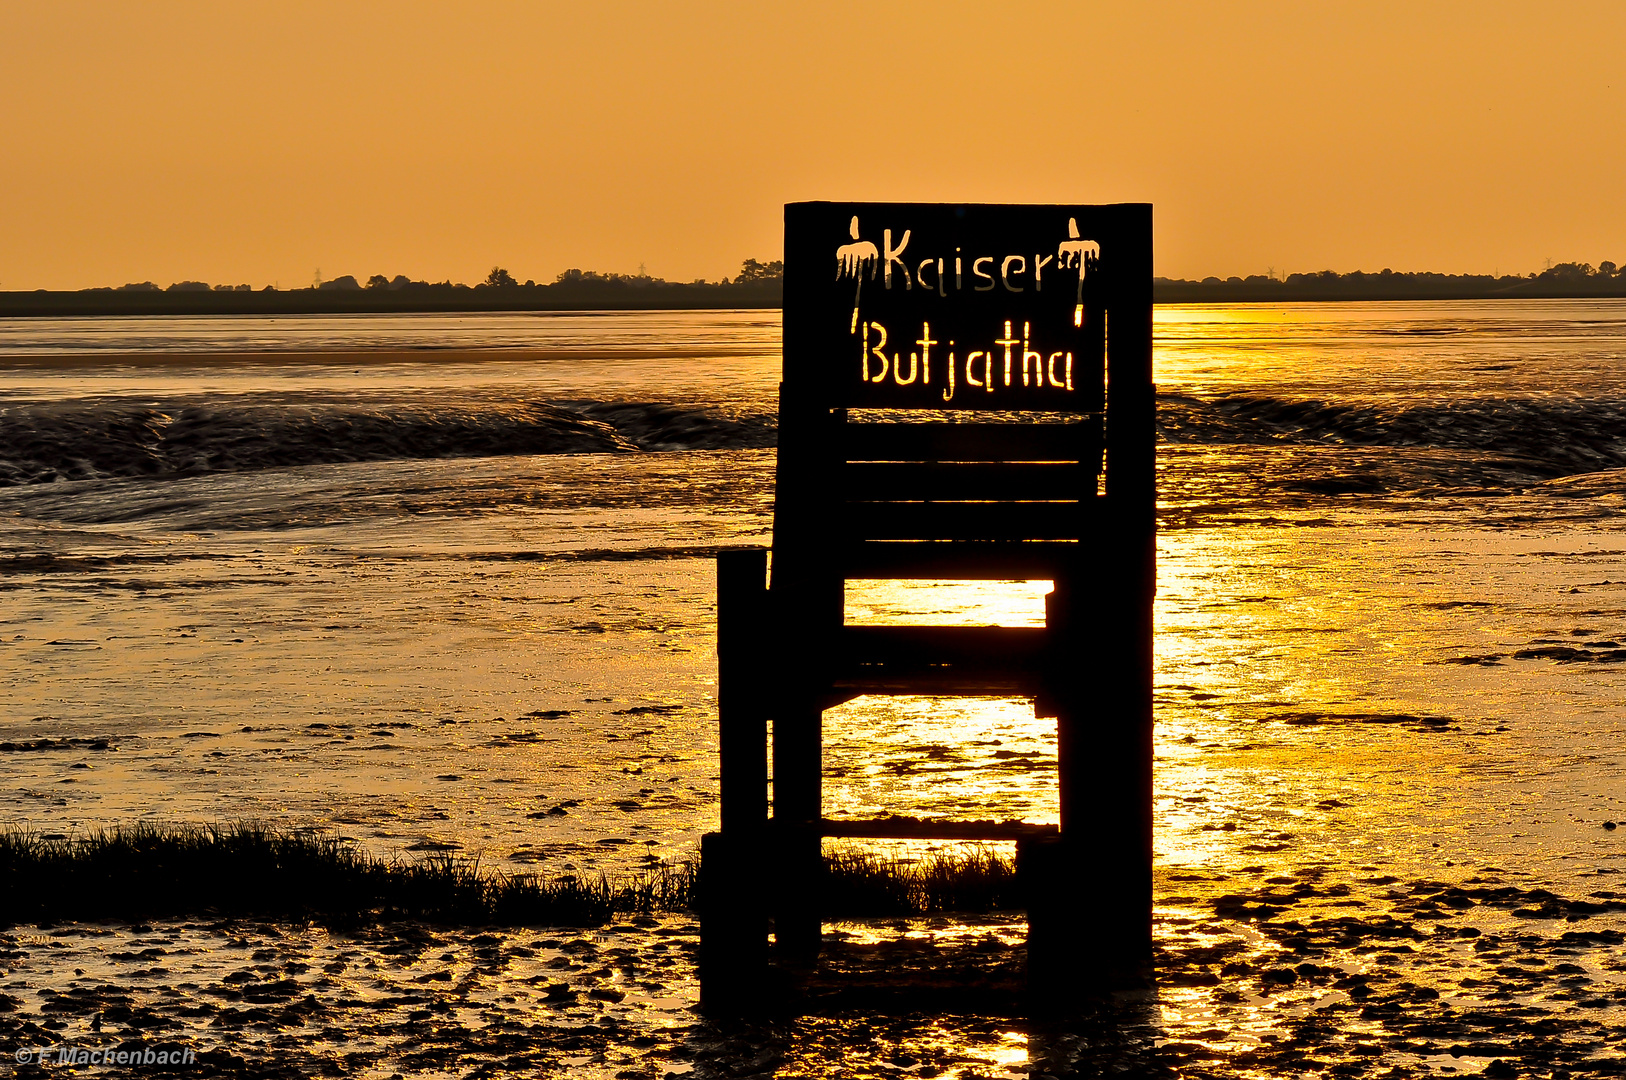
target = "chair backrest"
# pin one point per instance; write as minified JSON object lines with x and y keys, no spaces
{"x":966,"y":390}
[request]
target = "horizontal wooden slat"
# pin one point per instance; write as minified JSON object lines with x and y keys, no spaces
{"x":966,"y":521}
{"x":886,"y":682}
{"x":866,"y":481}
{"x":1087,"y":396}
{"x":968,"y":442}
{"x":974,"y":561}
{"x":938,"y":660}
{"x":928,"y":829}
{"x":942,"y":644}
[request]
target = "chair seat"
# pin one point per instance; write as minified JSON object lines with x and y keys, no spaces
{"x":990,"y":560}
{"x":938,"y":660}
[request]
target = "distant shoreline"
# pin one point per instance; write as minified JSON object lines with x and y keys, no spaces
{"x":371,"y":356}
{"x":422,"y":299}
{"x":1567,"y":282}
{"x":1560,"y":283}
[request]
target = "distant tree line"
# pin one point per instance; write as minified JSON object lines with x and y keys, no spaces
{"x":1563,"y":280}
{"x":751,"y":272}
{"x":179,"y":286}
{"x":758,"y":285}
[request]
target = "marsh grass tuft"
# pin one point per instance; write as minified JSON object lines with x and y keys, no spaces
{"x":152,"y":871}
{"x":146,"y":871}
{"x":861,"y":883}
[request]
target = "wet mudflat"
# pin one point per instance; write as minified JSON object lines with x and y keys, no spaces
{"x":1390,"y":626}
{"x":1315,"y":973}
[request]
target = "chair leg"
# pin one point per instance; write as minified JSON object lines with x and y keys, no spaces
{"x":798,"y":855}
{"x":733,"y":897}
{"x":733,"y":925}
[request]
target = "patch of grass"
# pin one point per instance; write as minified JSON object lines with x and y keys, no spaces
{"x":154,"y":871}
{"x":146,"y":871}
{"x":861,"y":883}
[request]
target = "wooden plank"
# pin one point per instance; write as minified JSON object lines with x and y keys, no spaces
{"x":867,"y":481}
{"x":939,"y":660}
{"x":941,"y":644}
{"x":937,"y":441}
{"x":733,"y":909}
{"x":742,"y":711}
{"x":1088,"y":377}
{"x":902,"y":828}
{"x":966,"y":521}
{"x":969,"y":561}
{"x":945,"y":681}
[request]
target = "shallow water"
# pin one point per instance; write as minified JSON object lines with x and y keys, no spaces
{"x":1392,"y":584}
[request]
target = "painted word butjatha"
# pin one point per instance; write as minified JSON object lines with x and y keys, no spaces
{"x":984,"y":369}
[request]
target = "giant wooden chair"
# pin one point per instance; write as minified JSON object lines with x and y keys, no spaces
{"x":966,"y":395}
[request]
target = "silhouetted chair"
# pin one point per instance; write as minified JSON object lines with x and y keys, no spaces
{"x":873,"y":487}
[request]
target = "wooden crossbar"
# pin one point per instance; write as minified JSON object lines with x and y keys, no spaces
{"x":994,"y":645}
{"x":941,"y":441}
{"x":877,"y":481}
{"x":964,"y":660}
{"x":967,"y":561}
{"x":929,"y":829}
{"x":967,"y":520}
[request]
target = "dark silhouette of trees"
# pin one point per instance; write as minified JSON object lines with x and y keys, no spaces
{"x":1571,"y":279}
{"x":500,"y":279}
{"x":752,"y":271}
{"x":576,"y":277}
{"x":378,"y":281}
{"x":1567,"y":272}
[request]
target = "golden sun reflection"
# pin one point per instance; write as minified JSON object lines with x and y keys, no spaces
{"x":945,"y":603}
{"x":941,"y":757}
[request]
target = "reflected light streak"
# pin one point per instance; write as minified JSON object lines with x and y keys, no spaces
{"x":944,"y":757}
{"x":900,"y":602}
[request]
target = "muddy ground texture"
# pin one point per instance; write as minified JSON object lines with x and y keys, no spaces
{"x":1298,"y":975}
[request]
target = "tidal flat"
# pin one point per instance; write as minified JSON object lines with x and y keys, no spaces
{"x":1311,"y":974}
{"x":1389,"y":740}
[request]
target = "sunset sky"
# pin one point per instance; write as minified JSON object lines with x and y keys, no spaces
{"x":259,"y":142}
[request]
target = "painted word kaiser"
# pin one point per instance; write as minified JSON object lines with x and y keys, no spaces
{"x":1014,"y":272}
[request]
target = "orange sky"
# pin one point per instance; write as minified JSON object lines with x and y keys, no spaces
{"x":256,"y":142}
